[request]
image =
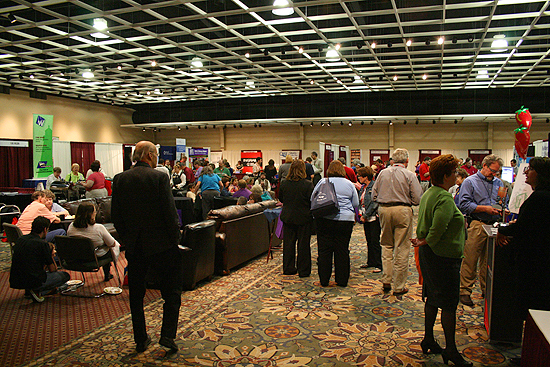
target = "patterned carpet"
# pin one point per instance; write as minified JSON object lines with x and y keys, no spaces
{"x":258,"y":317}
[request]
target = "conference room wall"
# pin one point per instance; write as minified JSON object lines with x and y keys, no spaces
{"x":73,"y":120}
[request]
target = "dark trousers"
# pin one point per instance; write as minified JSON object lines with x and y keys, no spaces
{"x":333,"y":238}
{"x":372,"y":234}
{"x":164,"y":269}
{"x":302,"y":234}
{"x":207,"y":201}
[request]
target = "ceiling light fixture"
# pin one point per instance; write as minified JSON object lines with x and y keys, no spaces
{"x":322,"y":124}
{"x":12,"y":18}
{"x":301,"y":124}
{"x":148,"y":92}
{"x":154,"y":63}
{"x":362,"y":123}
{"x":301,"y":50}
{"x":143,"y":129}
{"x":99,"y":35}
{"x":390,"y":45}
{"x":311,"y":124}
{"x":428,"y":42}
{"x":337,"y":46}
{"x":440,"y":40}
{"x":390,"y":122}
{"x":405,"y":122}
{"x":409,"y":43}
{"x":283,"y":8}
{"x":234,"y":126}
{"x":247,"y":55}
{"x":482,"y":74}
{"x":425,"y":76}
{"x":330,"y":123}
{"x":332,"y":55}
{"x":266,"y":52}
{"x":416,"y":122}
{"x":196,"y":63}
{"x":283,"y":52}
{"x":371,"y":122}
{"x":241,"y":126}
{"x":196,"y":89}
{"x":439,"y":75}
{"x":311,"y":82}
{"x":455,"y":40}
{"x":499,"y":44}
{"x":359,"y":45}
{"x":433,"y":122}
{"x":350,"y":123}
{"x":341,"y":123}
{"x":470,"y":38}
{"x":179,"y":128}
{"x":31,"y":76}
{"x":187,"y":128}
{"x":87,"y":74}
{"x":547,"y":120}
{"x":259,"y":124}
{"x":100,"y":24}
{"x":373,"y":44}
{"x":395,"y":78}
{"x":456,"y":121}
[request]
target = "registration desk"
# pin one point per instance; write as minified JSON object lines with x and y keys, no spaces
{"x":502,"y":321}
{"x":535,"y":351}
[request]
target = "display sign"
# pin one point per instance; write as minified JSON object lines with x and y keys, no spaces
{"x":295,"y":154}
{"x":198,"y":153}
{"x":521,"y":191}
{"x":248,"y":158}
{"x":42,"y":145}
{"x":181,"y":149}
{"x":14,"y":143}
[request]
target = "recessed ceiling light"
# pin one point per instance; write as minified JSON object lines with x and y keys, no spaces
{"x":390,"y":45}
{"x":409,"y":43}
{"x":311,"y":82}
{"x":148,"y":92}
{"x":482,"y":74}
{"x":301,"y":50}
{"x":425,"y":76}
{"x":153,"y":63}
{"x":395,"y":78}
{"x":373,"y":44}
{"x":99,"y":35}
{"x":371,"y":122}
{"x":440,"y":40}
{"x":428,"y":42}
{"x":283,"y":8}
{"x":247,"y":55}
{"x":350,"y":123}
{"x":31,"y":76}
{"x":12,"y":18}
{"x":470,"y":38}
{"x":337,"y":46}
{"x":100,"y":24}
{"x":119,"y":67}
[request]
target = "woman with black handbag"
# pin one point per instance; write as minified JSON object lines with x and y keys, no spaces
{"x":334,"y":230}
{"x":295,"y":194}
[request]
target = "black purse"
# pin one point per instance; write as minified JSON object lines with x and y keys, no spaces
{"x":324,"y":201}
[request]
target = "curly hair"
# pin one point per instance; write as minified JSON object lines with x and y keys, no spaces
{"x":442,"y":166}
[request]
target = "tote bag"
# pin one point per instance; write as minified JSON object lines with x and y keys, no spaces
{"x":324,"y":201}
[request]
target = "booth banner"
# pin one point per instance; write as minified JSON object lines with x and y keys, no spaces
{"x":328,"y":156}
{"x":168,"y":153}
{"x":521,"y":191}
{"x":42,"y":145}
{"x":181,"y":150}
{"x":198,"y":153}
{"x":295,"y":154}
{"x":216,"y":157}
{"x":248,"y":158}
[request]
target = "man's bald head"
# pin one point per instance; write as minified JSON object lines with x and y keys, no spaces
{"x":142,"y":153}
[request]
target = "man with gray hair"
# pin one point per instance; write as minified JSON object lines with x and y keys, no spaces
{"x":317,"y":168}
{"x":396,"y":190}
{"x":477,"y":201}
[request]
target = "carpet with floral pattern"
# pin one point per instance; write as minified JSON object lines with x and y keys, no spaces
{"x":257,"y":316}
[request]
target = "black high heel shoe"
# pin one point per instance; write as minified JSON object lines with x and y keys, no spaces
{"x":430,"y":347}
{"x":455,"y":357}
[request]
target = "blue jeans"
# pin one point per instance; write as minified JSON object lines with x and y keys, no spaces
{"x":50,"y":237}
{"x":53,"y":280}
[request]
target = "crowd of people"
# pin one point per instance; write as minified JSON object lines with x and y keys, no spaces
{"x":455,"y":200}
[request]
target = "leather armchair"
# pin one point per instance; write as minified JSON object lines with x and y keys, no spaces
{"x":198,"y":259}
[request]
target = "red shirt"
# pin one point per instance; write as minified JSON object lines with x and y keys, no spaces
{"x":99,"y":181}
{"x":471,"y":171}
{"x":189,"y":175}
{"x":424,"y":168}
{"x":350,"y":174}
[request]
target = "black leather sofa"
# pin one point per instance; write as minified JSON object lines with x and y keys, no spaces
{"x":198,"y":242}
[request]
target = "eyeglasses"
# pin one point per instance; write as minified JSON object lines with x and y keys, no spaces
{"x":492,"y":170}
{"x":526,"y":169}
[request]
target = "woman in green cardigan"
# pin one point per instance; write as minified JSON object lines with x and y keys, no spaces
{"x":440,"y":235}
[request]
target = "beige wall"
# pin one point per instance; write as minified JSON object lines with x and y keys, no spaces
{"x":74,"y":120}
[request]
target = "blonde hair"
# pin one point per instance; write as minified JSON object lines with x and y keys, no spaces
{"x":288,"y":159}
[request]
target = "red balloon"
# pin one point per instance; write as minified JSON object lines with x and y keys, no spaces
{"x":523,"y":118}
{"x":522,"y":143}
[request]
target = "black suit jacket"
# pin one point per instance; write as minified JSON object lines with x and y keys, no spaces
{"x":143,"y":211}
{"x":296,"y":197}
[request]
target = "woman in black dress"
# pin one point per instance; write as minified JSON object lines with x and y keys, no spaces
{"x":271,"y":172}
{"x":530,"y":238}
{"x":295,"y":193}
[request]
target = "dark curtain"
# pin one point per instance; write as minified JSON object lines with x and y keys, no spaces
{"x":15,"y":165}
{"x":83,"y":154}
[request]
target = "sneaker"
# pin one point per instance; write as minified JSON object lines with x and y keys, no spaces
{"x":35,"y":297}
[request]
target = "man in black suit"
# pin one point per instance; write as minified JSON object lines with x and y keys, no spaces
{"x":144,"y":214}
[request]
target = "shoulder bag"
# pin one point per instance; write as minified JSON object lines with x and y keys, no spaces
{"x":324,"y":201}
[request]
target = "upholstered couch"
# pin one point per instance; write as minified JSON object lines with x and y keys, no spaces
{"x":103,"y":212}
{"x":242,"y":233}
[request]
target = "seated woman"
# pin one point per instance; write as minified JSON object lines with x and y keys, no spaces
{"x":243,"y":191}
{"x":234,"y":185}
{"x":84,"y":225}
{"x":75,"y":179}
{"x":263,"y":182}
{"x":95,"y":184}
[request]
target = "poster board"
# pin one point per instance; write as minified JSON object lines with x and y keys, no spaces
{"x":295,"y":154}
{"x":42,"y":147}
{"x":248,"y":158}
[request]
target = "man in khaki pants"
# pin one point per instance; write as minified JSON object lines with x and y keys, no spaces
{"x":477,"y":198}
{"x":396,"y":190}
